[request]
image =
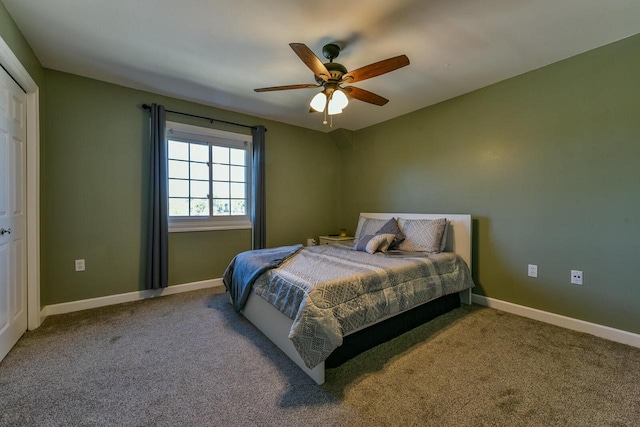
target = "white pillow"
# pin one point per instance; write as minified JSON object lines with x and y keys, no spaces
{"x":422,"y":235}
{"x":371,"y":243}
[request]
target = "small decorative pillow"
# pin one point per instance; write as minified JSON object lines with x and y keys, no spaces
{"x":391,"y":227}
{"x":374,"y":242}
{"x":422,"y":235}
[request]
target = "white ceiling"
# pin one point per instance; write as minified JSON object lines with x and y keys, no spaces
{"x":217,"y":52}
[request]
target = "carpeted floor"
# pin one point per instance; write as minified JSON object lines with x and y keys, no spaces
{"x":190,"y":360}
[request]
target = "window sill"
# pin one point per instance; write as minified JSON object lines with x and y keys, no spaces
{"x":186,"y":228}
{"x":208,"y":228}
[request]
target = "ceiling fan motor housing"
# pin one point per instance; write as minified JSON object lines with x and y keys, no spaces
{"x":336,"y":72}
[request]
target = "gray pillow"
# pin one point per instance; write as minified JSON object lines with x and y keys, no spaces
{"x":391,"y":227}
{"x":443,"y":245}
{"x":422,"y":235}
{"x":368,"y":226}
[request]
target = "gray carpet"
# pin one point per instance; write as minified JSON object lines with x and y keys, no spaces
{"x":190,"y":360}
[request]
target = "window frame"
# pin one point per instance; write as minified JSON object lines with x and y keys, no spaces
{"x":213,"y":137}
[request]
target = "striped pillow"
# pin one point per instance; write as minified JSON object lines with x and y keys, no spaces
{"x":374,"y":242}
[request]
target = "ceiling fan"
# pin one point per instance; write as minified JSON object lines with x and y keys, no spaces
{"x":331,"y":76}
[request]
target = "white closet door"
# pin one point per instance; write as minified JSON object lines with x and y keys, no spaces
{"x":13,"y":242}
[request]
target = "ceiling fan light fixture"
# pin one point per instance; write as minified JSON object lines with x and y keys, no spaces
{"x":339,"y":99}
{"x":319,"y":102}
{"x":333,"y":108}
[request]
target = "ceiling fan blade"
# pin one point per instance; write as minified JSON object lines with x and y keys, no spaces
{"x":365,"y":95}
{"x":311,"y":60}
{"x":376,"y":69}
{"x":269,"y":89}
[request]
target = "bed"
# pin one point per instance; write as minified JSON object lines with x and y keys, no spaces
{"x":312,"y":305}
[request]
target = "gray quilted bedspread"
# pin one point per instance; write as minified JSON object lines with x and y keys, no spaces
{"x":331,"y":290}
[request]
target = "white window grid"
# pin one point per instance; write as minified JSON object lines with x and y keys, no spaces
{"x":211,"y":217}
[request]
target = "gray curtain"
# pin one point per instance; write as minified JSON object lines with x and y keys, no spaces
{"x":158,"y":237}
{"x":258,"y":207}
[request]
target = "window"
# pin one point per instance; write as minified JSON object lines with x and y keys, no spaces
{"x":209,"y":178}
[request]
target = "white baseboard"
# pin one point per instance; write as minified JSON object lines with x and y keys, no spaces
{"x":601,"y":331}
{"x":68,"y":307}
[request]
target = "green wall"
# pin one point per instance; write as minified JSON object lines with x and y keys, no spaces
{"x":548,"y":165}
{"x":95,"y":183}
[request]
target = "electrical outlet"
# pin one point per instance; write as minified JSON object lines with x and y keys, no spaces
{"x":79,"y":265}
{"x":576,"y":277}
{"x":533,"y":270}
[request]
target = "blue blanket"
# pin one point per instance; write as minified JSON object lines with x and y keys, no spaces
{"x":244,"y":269}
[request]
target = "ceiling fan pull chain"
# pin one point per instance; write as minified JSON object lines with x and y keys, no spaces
{"x":326,"y":107}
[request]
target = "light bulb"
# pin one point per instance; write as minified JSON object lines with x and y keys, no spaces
{"x":333,"y":108}
{"x":318,"y":102}
{"x":340,"y":99}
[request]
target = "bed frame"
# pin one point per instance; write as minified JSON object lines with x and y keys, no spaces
{"x":276,"y":326}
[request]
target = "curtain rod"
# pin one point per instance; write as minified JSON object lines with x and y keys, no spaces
{"x":148,"y":107}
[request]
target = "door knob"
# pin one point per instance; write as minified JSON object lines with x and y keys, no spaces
{"x":3,"y":231}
